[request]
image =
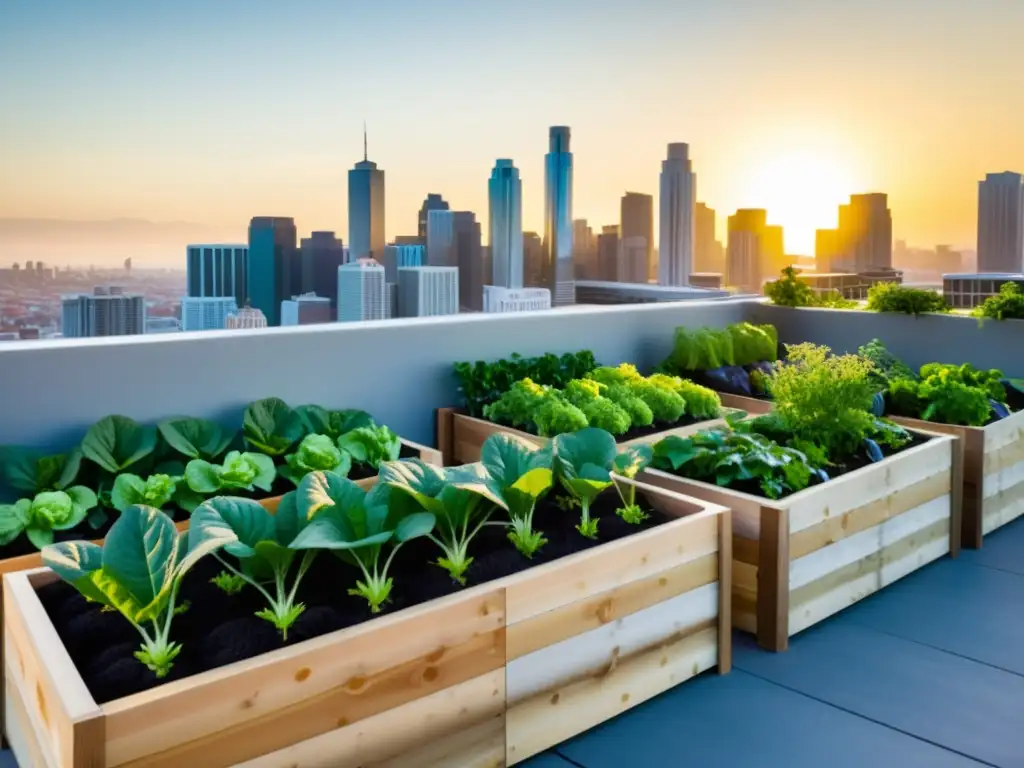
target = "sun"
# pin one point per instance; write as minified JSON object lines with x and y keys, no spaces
{"x":802,"y":191}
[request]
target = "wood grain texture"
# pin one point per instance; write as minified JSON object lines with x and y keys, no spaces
{"x":752,"y":405}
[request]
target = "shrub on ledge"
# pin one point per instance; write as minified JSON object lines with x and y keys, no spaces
{"x":893,"y":297}
{"x":1008,"y":305}
{"x":791,"y":291}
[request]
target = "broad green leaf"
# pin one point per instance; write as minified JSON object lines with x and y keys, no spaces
{"x":330,"y":532}
{"x":371,"y":444}
{"x":40,"y":537}
{"x":27,"y":470}
{"x":414,"y":526}
{"x":506,"y":457}
{"x":140,"y":552}
{"x":587,"y":446}
{"x":476,"y":479}
{"x":13,"y":519}
{"x":326,"y":489}
{"x":240,"y":524}
{"x":266,"y":473}
{"x":523,"y":494}
{"x":349,"y":419}
{"x":632,"y":459}
{"x":272,"y":427}
{"x":115,"y":443}
{"x":195,"y":438}
{"x":278,"y":557}
{"x":202,"y":476}
{"x":116,"y":594}
{"x":128,"y":489}
{"x":287,"y":520}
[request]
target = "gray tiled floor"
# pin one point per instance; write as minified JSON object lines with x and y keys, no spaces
{"x":929,"y":674}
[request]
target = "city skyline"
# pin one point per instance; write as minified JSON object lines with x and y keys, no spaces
{"x":767,"y":129}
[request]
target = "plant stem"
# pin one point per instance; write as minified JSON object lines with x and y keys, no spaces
{"x":243,"y":576}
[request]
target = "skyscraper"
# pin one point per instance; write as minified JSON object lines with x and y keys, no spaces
{"x":584,"y":250}
{"x":365,"y":209}
{"x":206,"y":313}
{"x":322,"y":254}
{"x":1001,"y":223}
{"x":608,"y":254}
{"x":428,"y":291}
{"x":558,"y":266}
{"x":636,"y":221}
{"x":433,"y":202}
{"x":104,"y":312}
{"x":678,"y":198}
{"x":632,"y":263}
{"x":863,"y":239}
{"x":398,"y":256}
{"x":707,"y":251}
{"x":217,"y":271}
{"x":533,"y":260}
{"x":307,"y":309}
{"x":748,"y":250}
{"x":453,"y":240}
{"x":274,"y":268}
{"x":505,"y":194}
{"x":362,"y":291}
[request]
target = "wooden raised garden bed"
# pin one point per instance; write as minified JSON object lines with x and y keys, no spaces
{"x":803,"y":558}
{"x":486,"y":676}
{"x":993,"y":472}
{"x":460,"y":437}
{"x":755,"y":406}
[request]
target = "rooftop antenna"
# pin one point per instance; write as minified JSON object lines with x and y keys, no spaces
{"x":365,"y":156}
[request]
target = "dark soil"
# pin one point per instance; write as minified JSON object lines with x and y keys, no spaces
{"x":218,"y":629}
{"x":836,"y":470}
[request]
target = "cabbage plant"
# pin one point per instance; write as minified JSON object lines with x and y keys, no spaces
{"x":138,"y":573}
{"x":49,"y":511}
{"x":371,"y":444}
{"x":195,"y":438}
{"x":316,"y":453}
{"x":523,"y":473}
{"x":240,"y":471}
{"x":583,"y":462}
{"x":34,"y":472}
{"x":155,"y":491}
{"x":357,"y":527}
{"x":261,"y":548}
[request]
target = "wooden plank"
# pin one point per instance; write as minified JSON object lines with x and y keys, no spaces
{"x":746,"y":509}
{"x":554,"y":715}
{"x":752,"y":405}
{"x":773,"y":580}
{"x":22,"y":736}
{"x":725,"y":567}
{"x":430,"y":724}
{"x":444,"y":435}
{"x":1001,"y":507}
{"x":264,"y":704}
{"x":576,"y":618}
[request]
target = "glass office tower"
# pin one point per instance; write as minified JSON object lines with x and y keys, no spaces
{"x":558,"y":265}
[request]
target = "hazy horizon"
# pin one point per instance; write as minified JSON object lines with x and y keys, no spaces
{"x":178,"y":114}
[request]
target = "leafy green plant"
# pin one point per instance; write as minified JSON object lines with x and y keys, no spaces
{"x":583,"y":462}
{"x":1007,"y":305}
{"x":320,"y":421}
{"x":702,"y":349}
{"x":138,"y":573}
{"x":229,"y":583}
{"x":893,"y":297}
{"x":240,"y":471}
{"x":790,"y":291}
{"x":825,"y":399}
{"x":600,"y":412}
{"x":371,"y":444}
{"x":130,"y":490}
{"x":271,"y":427}
{"x":523,"y":474}
{"x":886,"y":368}
{"x":263,"y":546}
{"x":356,"y":526}
{"x":462,"y":500}
{"x":47,"y":512}
{"x":629,"y":462}
{"x":728,"y":457}
{"x":316,"y":453}
{"x":663,"y":395}
{"x":195,"y":438}
{"x":117,"y":444}
{"x":33,"y":472}
{"x":754,"y":343}
{"x":483,"y":383}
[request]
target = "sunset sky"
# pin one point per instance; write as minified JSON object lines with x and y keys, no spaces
{"x":212,"y":111}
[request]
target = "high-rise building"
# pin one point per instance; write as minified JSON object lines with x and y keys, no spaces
{"x":107,"y":311}
{"x":274,"y":267}
{"x":321,"y":255}
{"x":245,"y":318}
{"x":637,"y":221}
{"x":533,"y":260}
{"x":633,"y":264}
{"x":362,"y":291}
{"x":365,"y":209}
{"x":608,"y":254}
{"x":433,"y":202}
{"x":428,"y":291}
{"x":398,"y":256}
{"x":217,"y":271}
{"x":678,"y":199}
{"x":453,"y":240}
{"x":558,"y":266}
{"x":306,"y":309}
{"x":708,"y":255}
{"x":206,"y":313}
{"x":505,"y":195}
{"x":863,"y":240}
{"x":584,"y":250}
{"x":748,"y":254}
{"x":497,"y":298}
{"x":1001,"y":223}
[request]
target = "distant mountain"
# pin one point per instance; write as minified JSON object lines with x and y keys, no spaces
{"x":114,"y":231}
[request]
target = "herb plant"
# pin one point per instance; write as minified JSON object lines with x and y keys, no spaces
{"x":138,"y":573}
{"x":886,"y":367}
{"x":583,"y":462}
{"x":271,"y":427}
{"x":34,"y":472}
{"x":523,"y":473}
{"x":357,"y":526}
{"x":240,"y":471}
{"x":47,"y":512}
{"x":462,"y":500}
{"x":316,"y":453}
{"x":262,"y":544}
{"x":790,"y":291}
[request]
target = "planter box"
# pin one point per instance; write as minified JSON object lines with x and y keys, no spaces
{"x":481,"y":678}
{"x":801,"y":559}
{"x":755,"y":406}
{"x":460,"y":437}
{"x":993,"y":462}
